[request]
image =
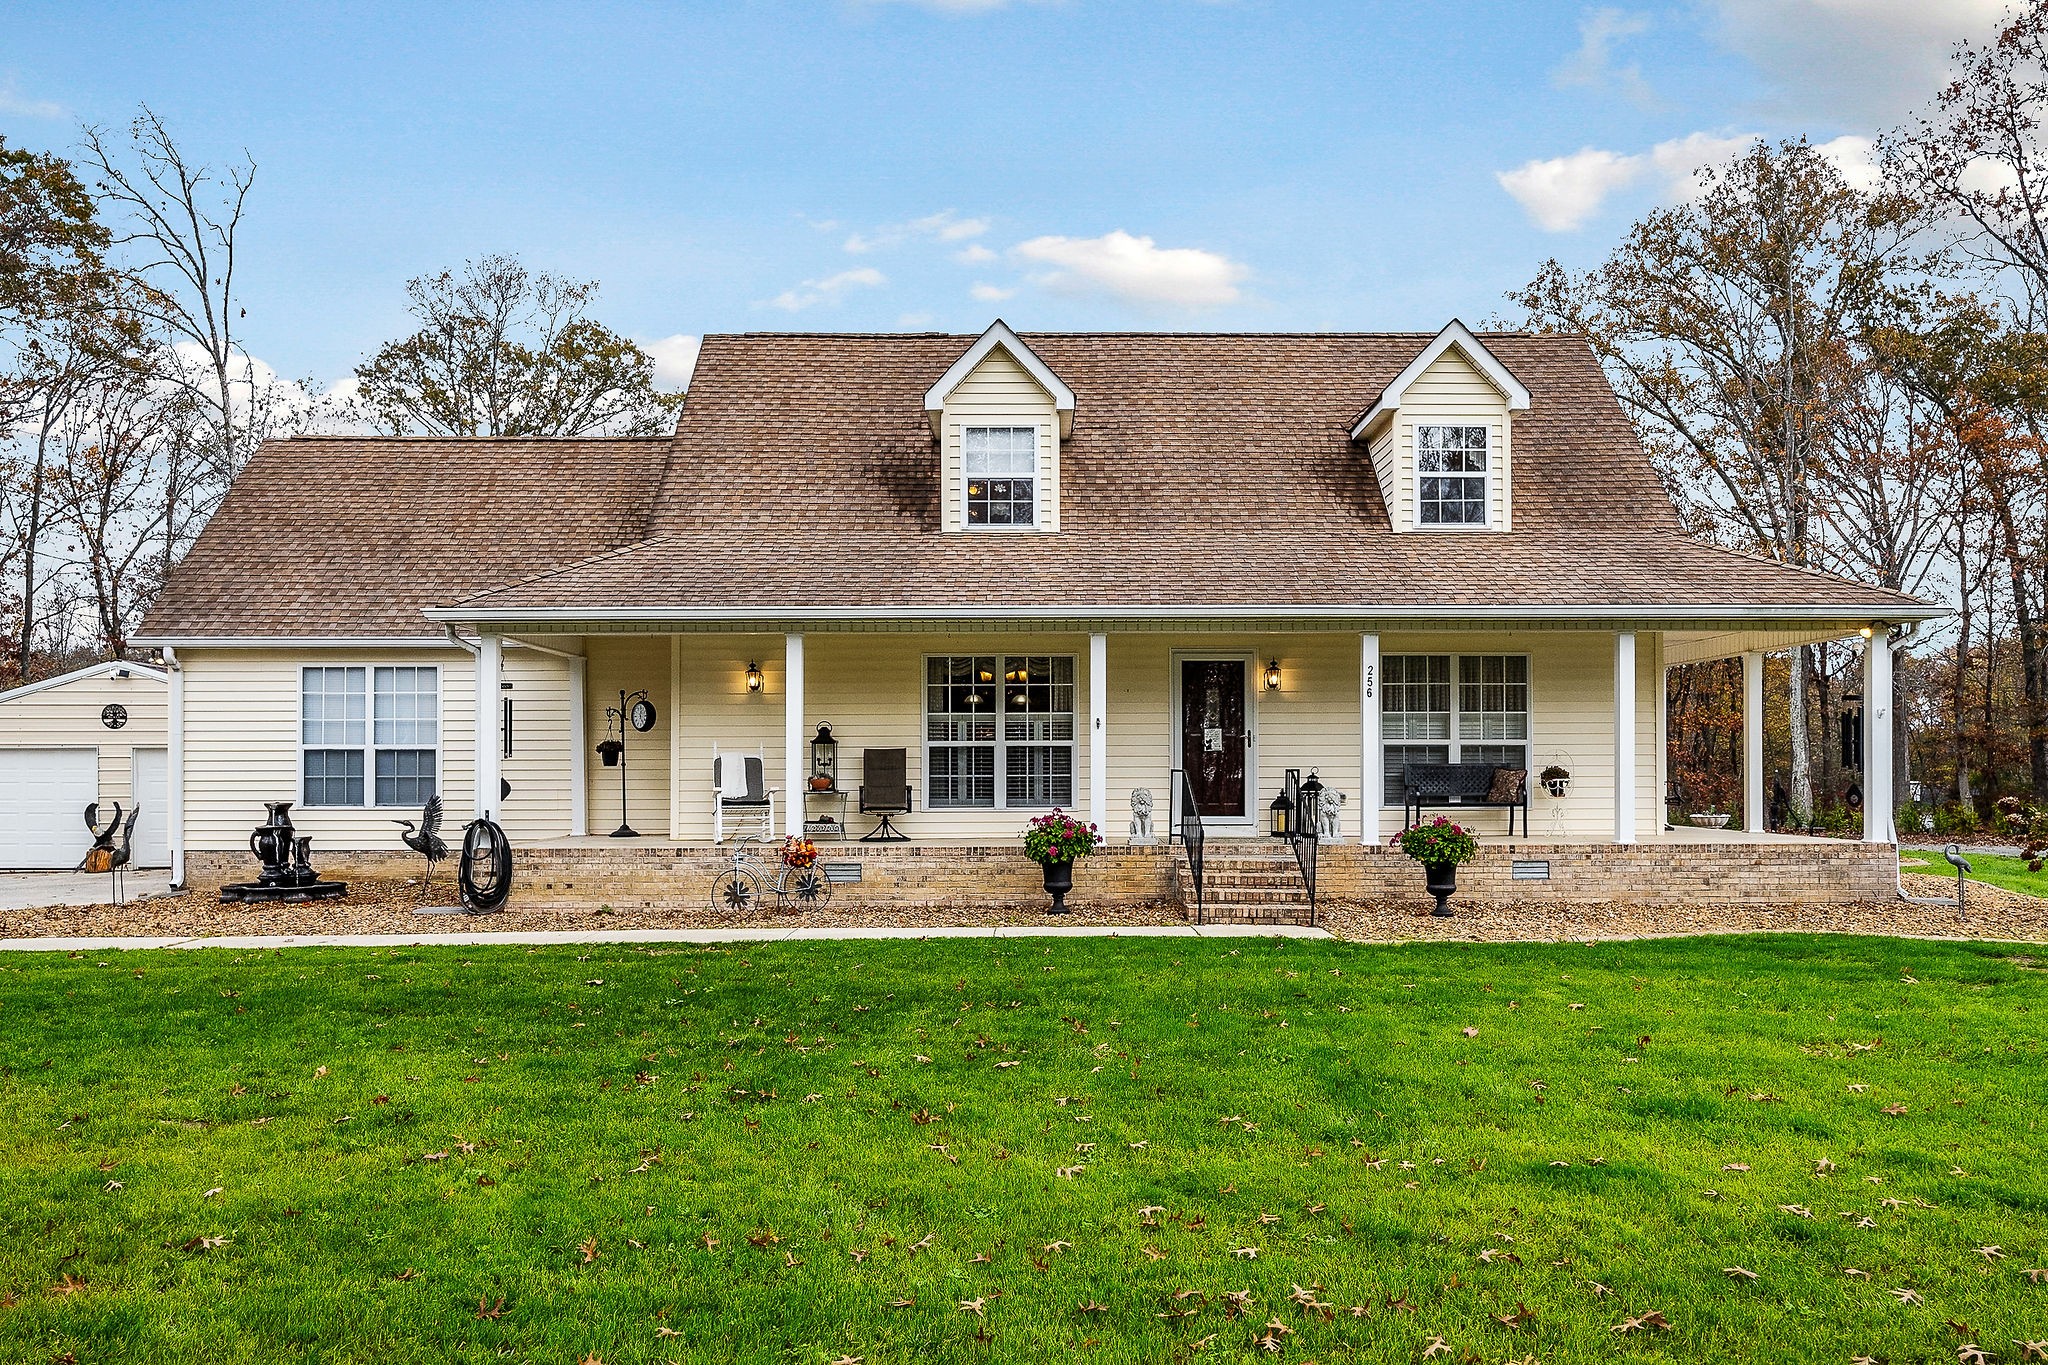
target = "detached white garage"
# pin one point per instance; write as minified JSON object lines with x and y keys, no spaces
{"x":94,"y":735}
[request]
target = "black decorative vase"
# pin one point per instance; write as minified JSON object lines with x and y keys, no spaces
{"x":1059,"y":880}
{"x":1443,"y":880}
{"x":271,"y":842}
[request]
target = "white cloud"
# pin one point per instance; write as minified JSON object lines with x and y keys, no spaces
{"x":944,"y":226}
{"x":828,"y":289}
{"x":1856,"y":62}
{"x":1561,"y":192}
{"x":675,"y":360}
{"x":990,"y":293}
{"x":1135,"y":269}
{"x":976,"y":254}
{"x":12,"y":101}
{"x":1592,"y":66}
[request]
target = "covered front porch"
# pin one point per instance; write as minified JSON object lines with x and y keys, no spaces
{"x":993,"y":724}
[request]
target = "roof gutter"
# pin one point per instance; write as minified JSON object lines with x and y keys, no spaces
{"x":1886,"y":612}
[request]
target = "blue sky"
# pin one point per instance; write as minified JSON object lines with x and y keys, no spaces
{"x":883,"y":164}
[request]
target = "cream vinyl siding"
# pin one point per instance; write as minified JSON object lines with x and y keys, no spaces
{"x":242,"y":745}
{"x":1451,"y":393}
{"x":633,"y":663}
{"x":538,"y":767}
{"x":68,"y":717}
{"x":999,"y":393}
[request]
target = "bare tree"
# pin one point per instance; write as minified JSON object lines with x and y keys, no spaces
{"x":503,"y":352}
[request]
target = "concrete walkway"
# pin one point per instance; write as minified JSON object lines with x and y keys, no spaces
{"x":33,"y":890}
{"x":634,"y":936}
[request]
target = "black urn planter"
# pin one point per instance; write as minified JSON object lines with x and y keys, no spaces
{"x":1443,"y":881}
{"x":1059,"y":880}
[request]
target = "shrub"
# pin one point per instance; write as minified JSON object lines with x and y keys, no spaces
{"x":1955,"y":819}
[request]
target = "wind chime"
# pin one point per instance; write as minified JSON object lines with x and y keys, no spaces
{"x":634,"y":712}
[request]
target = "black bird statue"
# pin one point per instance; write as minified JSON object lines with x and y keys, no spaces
{"x":105,"y":855}
{"x":426,"y":840}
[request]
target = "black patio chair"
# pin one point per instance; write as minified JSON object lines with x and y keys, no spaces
{"x":885,"y":791}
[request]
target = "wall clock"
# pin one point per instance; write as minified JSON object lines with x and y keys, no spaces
{"x":642,"y":715}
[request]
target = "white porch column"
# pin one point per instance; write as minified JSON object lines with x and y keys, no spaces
{"x":1756,"y":816}
{"x":579,"y":746}
{"x":793,"y":733}
{"x":490,"y":743}
{"x":1371,"y":782}
{"x":1625,"y":737}
{"x":1878,"y":807}
{"x":174,"y":760}
{"x":1098,"y":732}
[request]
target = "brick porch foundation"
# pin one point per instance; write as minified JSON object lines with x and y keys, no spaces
{"x":649,"y":876}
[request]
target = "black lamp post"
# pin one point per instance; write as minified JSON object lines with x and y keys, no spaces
{"x":635,"y":711}
{"x":825,"y":759}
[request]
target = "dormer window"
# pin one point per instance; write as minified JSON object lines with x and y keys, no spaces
{"x":1001,"y":469}
{"x":1450,"y":464}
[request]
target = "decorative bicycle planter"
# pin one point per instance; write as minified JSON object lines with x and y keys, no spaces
{"x":797,"y":884}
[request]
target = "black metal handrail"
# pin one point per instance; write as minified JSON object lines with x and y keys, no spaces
{"x":1187,"y":827}
{"x":1305,"y":847}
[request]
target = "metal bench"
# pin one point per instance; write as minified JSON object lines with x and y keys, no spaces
{"x":1442,"y":786}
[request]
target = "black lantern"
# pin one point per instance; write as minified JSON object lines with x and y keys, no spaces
{"x":1308,"y":806}
{"x":754,"y":677}
{"x":1281,"y":814}
{"x":824,"y":760}
{"x":1273,"y":675}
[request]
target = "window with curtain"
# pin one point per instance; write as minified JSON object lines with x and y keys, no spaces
{"x":1425,"y":718}
{"x":370,"y":736}
{"x":995,"y":716}
{"x":1001,"y":469}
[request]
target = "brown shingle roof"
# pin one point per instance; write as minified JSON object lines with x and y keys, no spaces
{"x":1203,"y":470}
{"x":327,"y":536}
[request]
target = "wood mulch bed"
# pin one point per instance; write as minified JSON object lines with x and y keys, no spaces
{"x":375,"y":906}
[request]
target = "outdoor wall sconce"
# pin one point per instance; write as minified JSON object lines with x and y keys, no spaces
{"x":754,"y":677}
{"x":1273,"y":675}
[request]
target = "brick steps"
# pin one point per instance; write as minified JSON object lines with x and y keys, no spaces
{"x":1249,"y":884}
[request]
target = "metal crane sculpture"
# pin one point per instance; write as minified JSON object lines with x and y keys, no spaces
{"x":105,"y":855}
{"x":426,"y":839}
{"x":1956,"y":860}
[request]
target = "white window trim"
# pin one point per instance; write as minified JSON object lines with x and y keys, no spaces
{"x":1485,"y":477}
{"x":1037,"y":429}
{"x":369,"y":746}
{"x":1454,"y":743}
{"x":1001,"y":743}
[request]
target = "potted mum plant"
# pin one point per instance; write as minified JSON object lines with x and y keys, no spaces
{"x":1439,"y":846}
{"x":1053,"y":842}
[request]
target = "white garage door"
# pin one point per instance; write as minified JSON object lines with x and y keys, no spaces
{"x":152,"y":830}
{"x":43,"y":796}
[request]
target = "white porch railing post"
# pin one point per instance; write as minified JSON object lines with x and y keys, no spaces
{"x":579,"y":747}
{"x":1878,"y":806}
{"x":1098,"y":732}
{"x":1371,"y":781}
{"x":793,"y":733}
{"x":174,"y":759}
{"x":1755,"y":814}
{"x":490,"y":743}
{"x":1625,"y":737}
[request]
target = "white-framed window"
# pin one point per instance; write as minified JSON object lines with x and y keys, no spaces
{"x":1450,"y":474}
{"x":1426,"y":718}
{"x":370,"y":735}
{"x":999,"y":731}
{"x":1001,"y":469}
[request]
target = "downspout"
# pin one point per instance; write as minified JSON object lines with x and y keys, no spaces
{"x":1899,"y":634}
{"x":174,"y":760}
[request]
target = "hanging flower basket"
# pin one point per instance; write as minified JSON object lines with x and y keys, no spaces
{"x":1557,"y":781}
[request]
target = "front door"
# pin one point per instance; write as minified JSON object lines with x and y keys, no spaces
{"x":1215,"y":740}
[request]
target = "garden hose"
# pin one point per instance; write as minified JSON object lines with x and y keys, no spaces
{"x":486,"y":869}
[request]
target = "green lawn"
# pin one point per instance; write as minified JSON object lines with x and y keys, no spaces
{"x":1017,"y":1150}
{"x":1990,"y":868}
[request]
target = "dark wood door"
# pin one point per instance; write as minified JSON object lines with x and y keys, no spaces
{"x":1213,"y":738}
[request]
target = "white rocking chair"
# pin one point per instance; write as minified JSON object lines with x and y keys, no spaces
{"x":741,"y":797}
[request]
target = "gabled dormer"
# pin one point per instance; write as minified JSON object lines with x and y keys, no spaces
{"x":1441,"y":437}
{"x":1000,"y":414}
